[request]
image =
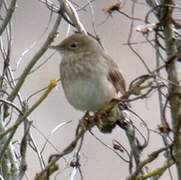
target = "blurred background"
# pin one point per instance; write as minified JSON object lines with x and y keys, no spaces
{"x":31,"y":23}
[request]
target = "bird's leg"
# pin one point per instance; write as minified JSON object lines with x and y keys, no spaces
{"x":86,"y":122}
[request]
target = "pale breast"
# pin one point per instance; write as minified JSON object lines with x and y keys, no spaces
{"x":89,"y":94}
{"x":86,"y":86}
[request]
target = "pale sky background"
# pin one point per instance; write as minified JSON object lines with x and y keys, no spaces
{"x":97,"y":161}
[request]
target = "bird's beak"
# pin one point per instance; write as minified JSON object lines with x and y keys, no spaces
{"x":53,"y":47}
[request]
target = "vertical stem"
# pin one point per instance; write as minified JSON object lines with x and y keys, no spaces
{"x":173,"y":83}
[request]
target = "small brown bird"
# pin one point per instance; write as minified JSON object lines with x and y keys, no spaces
{"x":90,"y":78}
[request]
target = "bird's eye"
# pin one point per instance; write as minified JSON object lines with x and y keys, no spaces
{"x":73,"y":45}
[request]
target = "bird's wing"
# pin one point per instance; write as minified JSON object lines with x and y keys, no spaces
{"x":115,"y":75}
